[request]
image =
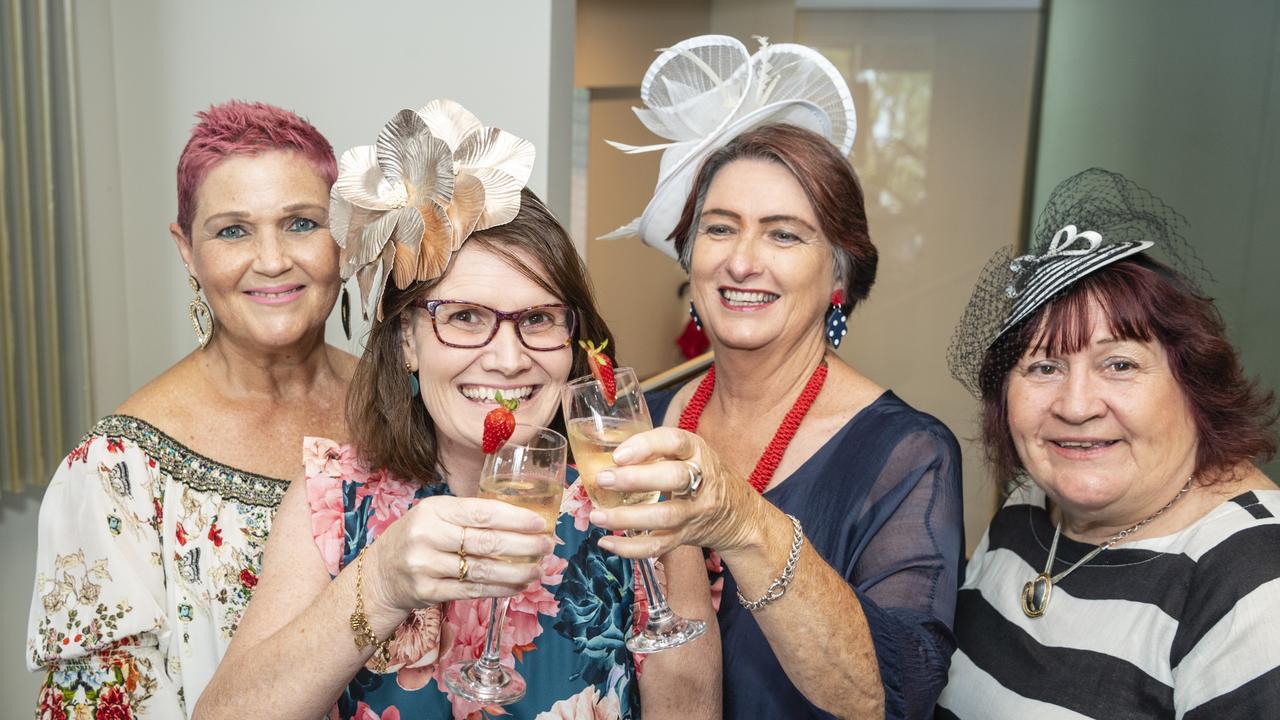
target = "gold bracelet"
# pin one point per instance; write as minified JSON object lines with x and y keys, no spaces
{"x":360,"y":623}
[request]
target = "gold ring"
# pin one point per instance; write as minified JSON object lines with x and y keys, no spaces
{"x":463,"y":568}
{"x":462,"y":545}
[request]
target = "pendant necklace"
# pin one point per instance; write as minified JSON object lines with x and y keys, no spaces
{"x":1036,"y":592}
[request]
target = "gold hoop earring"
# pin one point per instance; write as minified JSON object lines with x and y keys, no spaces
{"x":201,"y":315}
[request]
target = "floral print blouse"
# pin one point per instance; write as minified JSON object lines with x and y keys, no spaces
{"x":564,"y":635}
{"x":147,"y":555}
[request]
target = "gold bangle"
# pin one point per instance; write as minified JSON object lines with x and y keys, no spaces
{"x":360,"y":623}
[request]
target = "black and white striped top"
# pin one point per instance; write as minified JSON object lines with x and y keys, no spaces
{"x":1181,"y":626}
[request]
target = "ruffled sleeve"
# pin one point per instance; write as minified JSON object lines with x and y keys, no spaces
{"x":324,"y":464}
{"x":907,"y":571}
{"x":98,"y":623}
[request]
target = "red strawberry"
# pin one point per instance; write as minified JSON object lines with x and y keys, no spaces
{"x":499,"y":424}
{"x":601,"y":368}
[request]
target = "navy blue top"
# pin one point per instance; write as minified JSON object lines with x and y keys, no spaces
{"x":881,"y":503}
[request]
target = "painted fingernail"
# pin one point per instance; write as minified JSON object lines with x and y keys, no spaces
{"x":605,"y":479}
{"x":606,"y":543}
{"x":623,"y":455}
{"x":599,"y":517}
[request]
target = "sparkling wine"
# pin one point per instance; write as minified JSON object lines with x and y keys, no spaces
{"x":541,"y":494}
{"x":593,"y":445}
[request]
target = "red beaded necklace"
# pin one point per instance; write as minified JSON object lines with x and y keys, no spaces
{"x":768,"y":463}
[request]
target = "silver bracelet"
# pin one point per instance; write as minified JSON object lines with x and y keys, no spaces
{"x":780,"y":584}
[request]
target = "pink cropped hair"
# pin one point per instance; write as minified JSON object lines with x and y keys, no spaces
{"x":244,"y":128}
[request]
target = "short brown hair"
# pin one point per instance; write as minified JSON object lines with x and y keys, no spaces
{"x":828,"y":180}
{"x":1143,"y":300}
{"x":390,"y":428}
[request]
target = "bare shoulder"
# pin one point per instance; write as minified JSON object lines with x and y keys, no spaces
{"x":343,"y":362}
{"x":1252,"y":478}
{"x":163,"y":400}
{"x":846,"y":392}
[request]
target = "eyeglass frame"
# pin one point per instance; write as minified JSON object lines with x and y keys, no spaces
{"x":500,"y":316}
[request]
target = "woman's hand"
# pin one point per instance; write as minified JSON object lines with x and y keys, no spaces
{"x":417,"y":562}
{"x":722,"y":514}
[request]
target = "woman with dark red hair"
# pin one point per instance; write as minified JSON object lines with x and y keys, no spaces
{"x":152,"y":531}
{"x":1134,"y":570}
{"x":834,"y":506}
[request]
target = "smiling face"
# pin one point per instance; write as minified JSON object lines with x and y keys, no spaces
{"x":459,"y":384}
{"x":1106,"y":430}
{"x":761,"y":268}
{"x":261,"y":250}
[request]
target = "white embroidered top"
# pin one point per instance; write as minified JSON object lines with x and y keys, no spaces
{"x":148,"y":554}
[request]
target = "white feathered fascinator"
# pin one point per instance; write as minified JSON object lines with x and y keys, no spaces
{"x":402,"y":207}
{"x":706,"y":91}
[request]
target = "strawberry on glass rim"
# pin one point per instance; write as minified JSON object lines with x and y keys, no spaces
{"x":499,"y":424}
{"x":601,"y":368}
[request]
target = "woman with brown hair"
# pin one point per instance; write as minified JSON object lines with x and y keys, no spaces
{"x":485,"y":303}
{"x":834,"y":506}
{"x":1134,"y":570}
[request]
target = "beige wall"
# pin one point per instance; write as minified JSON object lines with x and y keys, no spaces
{"x":941,"y":197}
{"x":635,"y":285}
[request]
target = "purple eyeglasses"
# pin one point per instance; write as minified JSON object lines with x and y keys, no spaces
{"x":463,"y":324}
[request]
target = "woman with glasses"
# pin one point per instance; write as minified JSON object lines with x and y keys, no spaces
{"x":361,"y":629}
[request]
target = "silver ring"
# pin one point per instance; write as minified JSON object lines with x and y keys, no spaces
{"x":695,"y":478}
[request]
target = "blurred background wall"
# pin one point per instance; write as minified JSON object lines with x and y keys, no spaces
{"x":969,"y":111}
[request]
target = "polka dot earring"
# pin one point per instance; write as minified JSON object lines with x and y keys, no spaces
{"x":837,"y":322}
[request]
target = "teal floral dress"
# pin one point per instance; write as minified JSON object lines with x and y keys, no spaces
{"x":564,"y":635}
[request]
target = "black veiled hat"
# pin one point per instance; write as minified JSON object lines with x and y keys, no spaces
{"x":1091,"y":220}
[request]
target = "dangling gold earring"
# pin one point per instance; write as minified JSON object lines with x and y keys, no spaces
{"x":201,"y":315}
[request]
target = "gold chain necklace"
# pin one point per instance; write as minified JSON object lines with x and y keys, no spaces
{"x":1036,"y":592}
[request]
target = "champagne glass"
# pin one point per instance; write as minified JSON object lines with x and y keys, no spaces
{"x":527,"y":473}
{"x":595,"y":429}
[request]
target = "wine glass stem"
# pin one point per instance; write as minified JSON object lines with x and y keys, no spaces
{"x":489,"y":668}
{"x":659,"y":613}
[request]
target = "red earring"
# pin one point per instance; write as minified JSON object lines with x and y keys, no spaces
{"x":837,"y":297}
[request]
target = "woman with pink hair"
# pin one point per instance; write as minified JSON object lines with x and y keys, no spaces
{"x":152,"y":529}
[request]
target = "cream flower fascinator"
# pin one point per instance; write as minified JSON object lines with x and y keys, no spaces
{"x":400,"y":208}
{"x":706,"y":91}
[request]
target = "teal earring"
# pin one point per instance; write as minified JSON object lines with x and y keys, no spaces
{"x":414,"y":386}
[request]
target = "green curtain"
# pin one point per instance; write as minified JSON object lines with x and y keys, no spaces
{"x":44,"y":337}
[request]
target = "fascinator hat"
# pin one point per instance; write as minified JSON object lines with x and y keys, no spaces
{"x":1091,"y":220}
{"x":706,"y":91}
{"x":400,"y":208}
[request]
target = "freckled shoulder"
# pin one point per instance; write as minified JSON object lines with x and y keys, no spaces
{"x":166,"y":398}
{"x":343,"y":361}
